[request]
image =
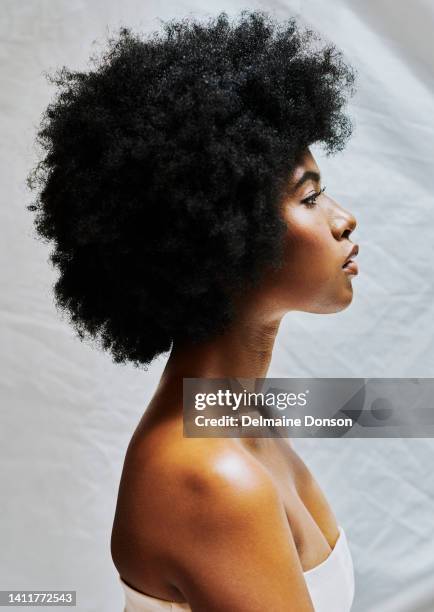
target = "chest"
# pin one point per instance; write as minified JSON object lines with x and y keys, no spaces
{"x":311,"y":519}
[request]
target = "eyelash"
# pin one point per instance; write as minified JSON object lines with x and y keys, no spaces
{"x":311,"y":200}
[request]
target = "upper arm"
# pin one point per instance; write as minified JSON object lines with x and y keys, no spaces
{"x":235,"y":550}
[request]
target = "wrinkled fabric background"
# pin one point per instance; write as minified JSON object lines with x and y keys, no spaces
{"x":67,"y":412}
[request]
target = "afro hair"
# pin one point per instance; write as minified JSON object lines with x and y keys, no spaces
{"x":163,"y":167}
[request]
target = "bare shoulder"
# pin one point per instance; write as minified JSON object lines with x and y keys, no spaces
{"x":195,"y":471}
{"x":205,"y":480}
{"x":213,"y":513}
{"x":230,"y":529}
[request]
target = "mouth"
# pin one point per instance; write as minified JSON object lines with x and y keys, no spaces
{"x":350,"y":266}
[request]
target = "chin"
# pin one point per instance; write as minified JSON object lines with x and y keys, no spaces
{"x":333,"y":305}
{"x":345,"y":302}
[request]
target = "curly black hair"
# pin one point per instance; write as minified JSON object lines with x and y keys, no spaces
{"x":164,"y":166}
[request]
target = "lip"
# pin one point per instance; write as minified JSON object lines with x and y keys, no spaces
{"x":353,"y":252}
{"x":351,"y":268}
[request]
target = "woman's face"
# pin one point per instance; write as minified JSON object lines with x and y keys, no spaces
{"x":317,"y":245}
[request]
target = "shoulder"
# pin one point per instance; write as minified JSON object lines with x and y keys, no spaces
{"x":206,"y":480}
{"x":202,"y":469}
{"x":228,"y":527}
{"x":212,"y":517}
{"x":222,"y":480}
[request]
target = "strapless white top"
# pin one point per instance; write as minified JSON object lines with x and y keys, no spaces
{"x":330,"y":585}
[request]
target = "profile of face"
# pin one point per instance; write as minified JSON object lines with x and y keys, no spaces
{"x":314,"y":276}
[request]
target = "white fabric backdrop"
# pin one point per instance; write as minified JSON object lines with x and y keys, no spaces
{"x":67,"y":411}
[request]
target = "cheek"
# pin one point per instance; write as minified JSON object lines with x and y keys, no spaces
{"x":309,"y":249}
{"x":311,"y":278}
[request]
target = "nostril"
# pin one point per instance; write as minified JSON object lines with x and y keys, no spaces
{"x":346,"y":233}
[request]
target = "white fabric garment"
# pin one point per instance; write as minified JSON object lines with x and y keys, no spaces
{"x":330,"y":585}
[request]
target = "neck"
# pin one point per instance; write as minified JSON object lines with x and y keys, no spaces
{"x":242,"y":351}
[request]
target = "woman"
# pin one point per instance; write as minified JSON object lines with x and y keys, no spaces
{"x":187,"y":213}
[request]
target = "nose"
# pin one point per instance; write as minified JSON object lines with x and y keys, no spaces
{"x":343,"y":222}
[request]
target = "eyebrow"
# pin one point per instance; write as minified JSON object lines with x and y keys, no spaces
{"x":309,"y":175}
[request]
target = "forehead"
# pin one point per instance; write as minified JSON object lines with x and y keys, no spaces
{"x":306,"y":163}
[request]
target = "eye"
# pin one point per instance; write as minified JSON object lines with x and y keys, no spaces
{"x":311,"y":200}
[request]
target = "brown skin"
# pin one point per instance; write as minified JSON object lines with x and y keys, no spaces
{"x":231,"y":524}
